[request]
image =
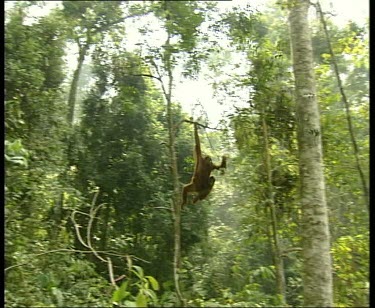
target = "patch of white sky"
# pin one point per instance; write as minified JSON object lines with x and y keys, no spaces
{"x":197,"y":96}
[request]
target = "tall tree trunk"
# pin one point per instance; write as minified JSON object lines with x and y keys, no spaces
{"x":74,"y":86}
{"x":278,"y":261}
{"x":176,"y":203}
{"x":347,"y":110}
{"x":72,"y":102}
{"x":317,"y":268}
{"x":176,"y":209}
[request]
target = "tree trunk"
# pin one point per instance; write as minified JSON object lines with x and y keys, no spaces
{"x":278,"y":261}
{"x":317,"y":271}
{"x":74,"y":85}
{"x":176,"y":203}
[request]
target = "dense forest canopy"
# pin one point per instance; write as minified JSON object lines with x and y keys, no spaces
{"x":107,"y":106}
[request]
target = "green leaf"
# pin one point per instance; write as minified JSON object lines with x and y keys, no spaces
{"x":138,"y":271}
{"x":150,"y":294}
{"x":141,"y":300}
{"x":121,"y":293}
{"x":154,"y":283}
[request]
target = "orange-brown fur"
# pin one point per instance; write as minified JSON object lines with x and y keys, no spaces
{"x":202,"y":181}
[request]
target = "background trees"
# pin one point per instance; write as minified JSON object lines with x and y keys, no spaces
{"x":242,"y":246}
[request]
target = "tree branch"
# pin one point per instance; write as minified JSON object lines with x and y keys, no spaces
{"x":202,"y":125}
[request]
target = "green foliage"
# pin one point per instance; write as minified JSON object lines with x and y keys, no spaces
{"x":35,"y":121}
{"x":144,"y":294}
{"x":182,"y":20}
{"x":119,"y":147}
{"x":243,"y":26}
{"x":88,"y":20}
{"x":344,"y":190}
{"x":15,"y":153}
{"x":350,"y":263}
{"x":64,"y":281}
{"x":33,"y":117}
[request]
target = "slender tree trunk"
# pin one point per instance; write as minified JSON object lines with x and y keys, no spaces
{"x":278,"y":261}
{"x":176,"y":203}
{"x":347,"y":110}
{"x":74,"y":86}
{"x":317,"y":268}
{"x":72,"y":100}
